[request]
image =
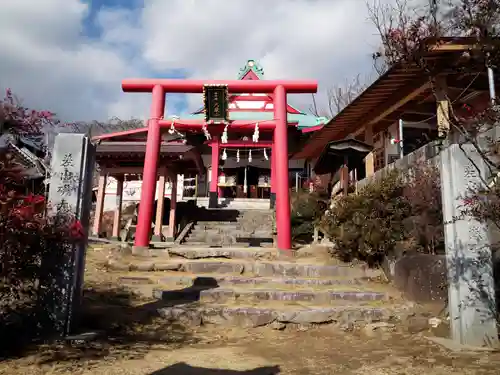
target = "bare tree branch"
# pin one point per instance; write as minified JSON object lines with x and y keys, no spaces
{"x":340,"y":96}
{"x":403,"y":27}
{"x":95,"y":128}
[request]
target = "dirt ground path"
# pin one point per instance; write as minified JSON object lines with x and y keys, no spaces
{"x":135,"y":341}
{"x":321,"y":350}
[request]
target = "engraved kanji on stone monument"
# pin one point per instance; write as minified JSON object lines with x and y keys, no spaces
{"x":69,"y":180}
{"x":472,"y":176}
{"x":471,"y":300}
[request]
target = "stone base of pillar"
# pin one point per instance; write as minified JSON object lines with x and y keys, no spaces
{"x":272,"y":200}
{"x":213,"y":199}
{"x":169,"y":239}
{"x":140,"y":250}
{"x":156,"y":238}
{"x":285,"y":254}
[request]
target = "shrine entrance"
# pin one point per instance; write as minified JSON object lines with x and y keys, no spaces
{"x":215,"y":128}
{"x":245,"y":182}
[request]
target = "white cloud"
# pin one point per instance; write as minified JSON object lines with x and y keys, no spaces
{"x":328,"y":40}
{"x":47,"y":61}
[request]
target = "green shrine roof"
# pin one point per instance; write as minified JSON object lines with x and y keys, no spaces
{"x":253,"y":66}
{"x":304,"y":120}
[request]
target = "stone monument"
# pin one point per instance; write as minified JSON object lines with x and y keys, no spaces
{"x":72,"y":168}
{"x":471,"y":292}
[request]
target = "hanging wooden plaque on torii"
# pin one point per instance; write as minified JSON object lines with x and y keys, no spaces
{"x":216,"y":103}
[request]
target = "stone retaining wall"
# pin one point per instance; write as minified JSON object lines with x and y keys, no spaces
{"x":422,"y":277}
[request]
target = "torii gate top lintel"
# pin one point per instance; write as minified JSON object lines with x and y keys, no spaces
{"x":188,"y":86}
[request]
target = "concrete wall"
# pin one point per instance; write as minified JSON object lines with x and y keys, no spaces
{"x":430,"y":152}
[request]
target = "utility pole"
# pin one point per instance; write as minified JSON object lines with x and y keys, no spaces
{"x":491,"y":82}
{"x":400,"y":143}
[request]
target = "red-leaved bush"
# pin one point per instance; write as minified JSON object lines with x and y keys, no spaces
{"x":34,"y":248}
{"x":20,"y":120}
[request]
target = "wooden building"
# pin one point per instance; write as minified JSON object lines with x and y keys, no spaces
{"x":406,"y":95}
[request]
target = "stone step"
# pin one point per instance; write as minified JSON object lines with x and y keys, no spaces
{"x":256,"y":216}
{"x":204,"y":237}
{"x":243,"y":204}
{"x":263,"y":233}
{"x":198,"y":229}
{"x":211,"y":242}
{"x":231,"y":253}
{"x":175,"y":279}
{"x":277,"y":316}
{"x":267,"y":243}
{"x":213,"y":219}
{"x":214,"y":245}
{"x":215,"y":225}
{"x":232,"y":232}
{"x":239,"y":267}
{"x":227,"y":238}
{"x":223,"y":295}
{"x":224,"y":239}
{"x":211,"y":239}
{"x":227,"y":242}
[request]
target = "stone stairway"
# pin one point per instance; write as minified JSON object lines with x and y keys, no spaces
{"x":237,"y":203}
{"x":253,"y":287}
{"x":225,"y":228}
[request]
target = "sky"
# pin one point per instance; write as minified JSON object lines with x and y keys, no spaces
{"x":69,"y":56}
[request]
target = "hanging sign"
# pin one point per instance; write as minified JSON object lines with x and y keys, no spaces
{"x":215,"y":99}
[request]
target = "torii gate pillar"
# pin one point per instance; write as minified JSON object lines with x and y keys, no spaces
{"x":272,"y":198}
{"x":148,"y":188}
{"x":213,"y":196}
{"x":280,"y":148}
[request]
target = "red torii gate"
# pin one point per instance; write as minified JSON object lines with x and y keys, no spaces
{"x":160,"y":87}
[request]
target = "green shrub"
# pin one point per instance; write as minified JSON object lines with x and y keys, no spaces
{"x":306,"y":211}
{"x":367,"y":225}
{"x":395,"y":209}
